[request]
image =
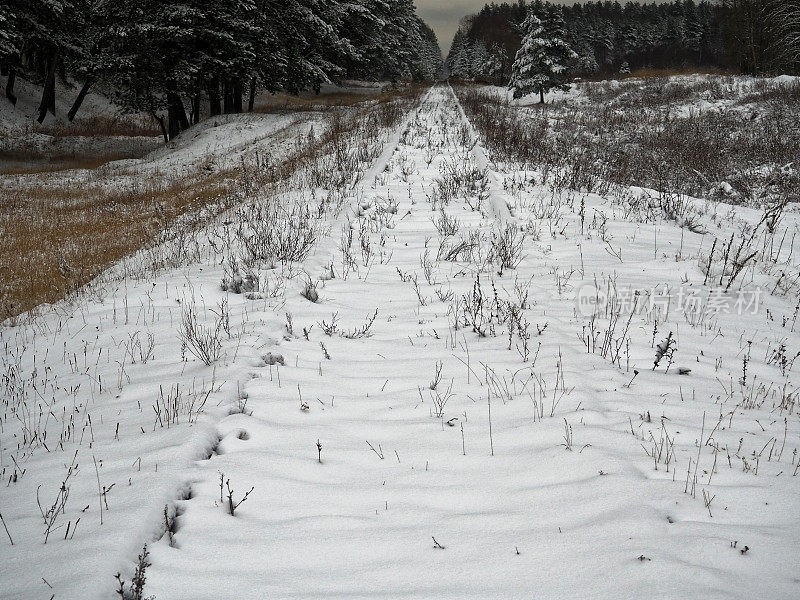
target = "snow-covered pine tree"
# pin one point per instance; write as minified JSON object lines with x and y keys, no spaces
{"x":224,"y":38}
{"x":90,"y":31}
{"x":38,"y":40}
{"x":480,"y":57}
{"x":405,"y":32}
{"x":454,"y":56}
{"x":157,"y":55}
{"x":359,"y":28}
{"x":462,"y":64}
{"x":495,"y":63}
{"x":9,"y":50}
{"x":429,"y":65}
{"x":543,"y":60}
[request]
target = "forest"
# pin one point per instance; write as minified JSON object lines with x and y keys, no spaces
{"x":748,"y":36}
{"x":185,"y":58}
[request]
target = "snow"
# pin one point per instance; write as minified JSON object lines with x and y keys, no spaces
{"x":734,"y":91}
{"x":555,"y":496}
{"x":18,"y":119}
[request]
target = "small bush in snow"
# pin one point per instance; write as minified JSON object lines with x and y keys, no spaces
{"x":203,"y":342}
{"x":238,"y":280}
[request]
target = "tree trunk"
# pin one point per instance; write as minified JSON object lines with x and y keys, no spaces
{"x":227,"y":97}
{"x":79,"y":100}
{"x":541,"y":96}
{"x":237,"y":96}
{"x":49,"y":92}
{"x":252,"y":100}
{"x":173,"y":129}
{"x":160,"y":120}
{"x":213,"y":98}
{"x":12,"y":76}
{"x":176,"y":115}
{"x":196,"y":109}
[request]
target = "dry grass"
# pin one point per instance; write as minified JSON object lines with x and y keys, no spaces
{"x":112,"y":126}
{"x":282,"y":102}
{"x":650,"y":72}
{"x":54,"y":241}
{"x":627,"y":134}
{"x":30,"y":162}
{"x":100,"y":140}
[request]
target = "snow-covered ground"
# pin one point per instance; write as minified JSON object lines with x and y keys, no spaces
{"x":454,"y":395}
{"x":217,"y":143}
{"x":724,"y":137}
{"x":700,"y":92}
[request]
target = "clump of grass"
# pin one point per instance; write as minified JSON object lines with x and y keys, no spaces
{"x":30,"y":162}
{"x":203,"y":342}
{"x":135,"y":590}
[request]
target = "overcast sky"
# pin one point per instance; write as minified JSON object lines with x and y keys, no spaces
{"x":443,"y":16}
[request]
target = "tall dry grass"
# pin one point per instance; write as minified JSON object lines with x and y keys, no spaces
{"x":55,"y":240}
{"x":28,"y":162}
{"x":282,"y":102}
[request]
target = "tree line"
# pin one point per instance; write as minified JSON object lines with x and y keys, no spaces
{"x":174,"y":59}
{"x":751,"y":36}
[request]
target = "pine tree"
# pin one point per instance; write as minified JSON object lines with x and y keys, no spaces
{"x":86,"y":63}
{"x":454,"y":58}
{"x":785,"y":18}
{"x":38,"y":41}
{"x":462,"y":62}
{"x":543,"y":60}
{"x":430,"y":56}
{"x":480,"y":58}
{"x":495,"y":63}
{"x":9,"y":50}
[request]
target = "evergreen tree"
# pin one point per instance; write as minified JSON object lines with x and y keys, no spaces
{"x":494,"y":67}
{"x":678,"y":34}
{"x":9,"y":50}
{"x":37,"y":43}
{"x":430,"y":62}
{"x":542,"y":62}
{"x":454,"y":62}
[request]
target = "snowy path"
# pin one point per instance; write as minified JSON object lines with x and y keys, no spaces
{"x":517,"y":514}
{"x":538,"y":461}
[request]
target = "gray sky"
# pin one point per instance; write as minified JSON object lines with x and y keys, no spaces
{"x":443,"y":16}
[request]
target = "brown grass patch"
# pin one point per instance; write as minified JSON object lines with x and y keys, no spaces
{"x":53,"y":241}
{"x":25,"y":162}
{"x":623,"y":136}
{"x":105,"y":126}
{"x":281,"y":102}
{"x":647,"y":73}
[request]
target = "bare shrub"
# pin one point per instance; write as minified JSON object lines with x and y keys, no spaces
{"x":272,"y":233}
{"x":203,"y":342}
{"x":507,"y":247}
{"x":238,"y":279}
